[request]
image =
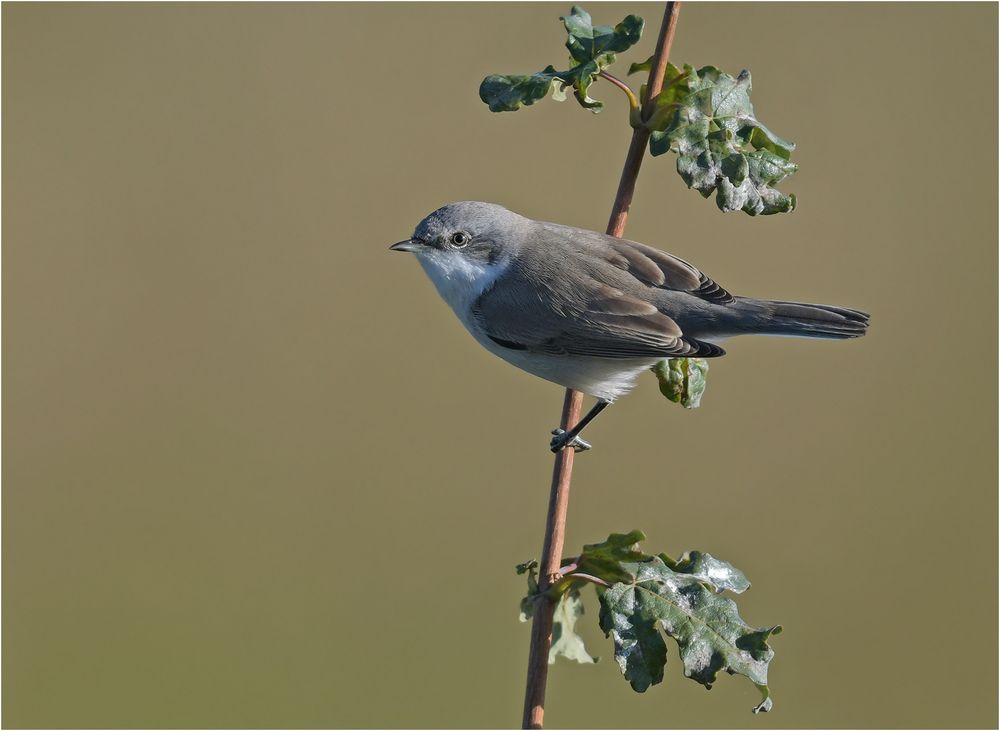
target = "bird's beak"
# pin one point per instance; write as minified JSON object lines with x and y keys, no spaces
{"x":408,"y":245}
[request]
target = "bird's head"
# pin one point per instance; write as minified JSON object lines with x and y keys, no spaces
{"x":480,"y":234}
{"x":463,"y":248}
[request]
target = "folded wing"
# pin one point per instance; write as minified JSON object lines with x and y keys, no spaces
{"x":577,"y":314}
{"x":660,"y":269}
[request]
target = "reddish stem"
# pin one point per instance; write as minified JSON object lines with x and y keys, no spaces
{"x":562,"y":472}
{"x":632,"y":101}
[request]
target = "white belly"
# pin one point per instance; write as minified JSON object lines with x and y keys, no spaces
{"x":604,"y":378}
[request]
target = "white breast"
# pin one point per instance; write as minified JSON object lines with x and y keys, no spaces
{"x":459,"y":280}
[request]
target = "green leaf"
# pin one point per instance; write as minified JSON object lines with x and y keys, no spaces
{"x":510,"y":93}
{"x":706,"y":118}
{"x":604,"y":559}
{"x":682,"y":380}
{"x":630,"y":617}
{"x":720,"y":575}
{"x":592,"y":48}
{"x":587,"y":42}
{"x":709,"y":632}
{"x":565,"y":640}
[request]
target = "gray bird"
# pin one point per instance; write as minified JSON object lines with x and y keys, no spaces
{"x":590,"y":311}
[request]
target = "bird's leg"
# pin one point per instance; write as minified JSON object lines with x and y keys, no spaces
{"x":571,"y":438}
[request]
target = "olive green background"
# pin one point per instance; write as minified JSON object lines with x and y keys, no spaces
{"x":257,"y":475}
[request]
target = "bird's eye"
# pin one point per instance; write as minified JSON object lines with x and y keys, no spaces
{"x":459,"y":239}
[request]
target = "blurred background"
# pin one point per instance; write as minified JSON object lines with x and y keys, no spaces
{"x":257,"y":475}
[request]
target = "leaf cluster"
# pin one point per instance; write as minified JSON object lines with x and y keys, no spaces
{"x":706,"y":118}
{"x":592,"y":49}
{"x":644,"y":598}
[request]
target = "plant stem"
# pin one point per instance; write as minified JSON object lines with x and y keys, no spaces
{"x":562,"y":471}
{"x":640,"y":135}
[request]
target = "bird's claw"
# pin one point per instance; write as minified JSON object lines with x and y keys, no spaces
{"x":560,"y":442}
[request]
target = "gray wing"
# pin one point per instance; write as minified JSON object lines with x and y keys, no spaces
{"x":660,"y":269}
{"x":561,"y":297}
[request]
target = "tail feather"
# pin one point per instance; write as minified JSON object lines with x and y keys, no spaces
{"x":798,"y":319}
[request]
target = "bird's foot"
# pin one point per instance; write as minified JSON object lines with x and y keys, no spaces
{"x":560,"y":442}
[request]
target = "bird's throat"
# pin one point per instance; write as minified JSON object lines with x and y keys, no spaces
{"x":460,"y":280}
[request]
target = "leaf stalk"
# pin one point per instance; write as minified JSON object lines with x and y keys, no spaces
{"x":633,"y":102}
{"x":566,"y":581}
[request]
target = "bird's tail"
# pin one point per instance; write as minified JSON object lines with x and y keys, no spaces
{"x":798,"y":319}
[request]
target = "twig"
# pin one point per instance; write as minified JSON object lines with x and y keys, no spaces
{"x":640,"y":135}
{"x":555,"y":525}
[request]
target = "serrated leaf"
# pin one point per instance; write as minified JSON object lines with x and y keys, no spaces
{"x":630,"y":617}
{"x":720,"y":575}
{"x":710,"y":634}
{"x":510,"y":93}
{"x":565,"y":640}
{"x":604,"y":559}
{"x":587,"y":42}
{"x":682,"y":380}
{"x":592,"y":49}
{"x":706,"y":118}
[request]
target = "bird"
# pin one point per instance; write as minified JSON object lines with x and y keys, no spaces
{"x":590,"y":311}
